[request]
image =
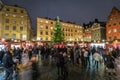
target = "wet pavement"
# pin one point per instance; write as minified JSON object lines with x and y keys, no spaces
{"x":1,"y":72}
{"x":48,"y":71}
{"x":76,"y":72}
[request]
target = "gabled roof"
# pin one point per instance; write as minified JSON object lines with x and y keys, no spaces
{"x":113,"y":11}
{"x":89,"y":25}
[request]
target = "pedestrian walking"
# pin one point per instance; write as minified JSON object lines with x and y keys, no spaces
{"x":96,"y":58}
{"x":8,"y":64}
{"x":110,"y":64}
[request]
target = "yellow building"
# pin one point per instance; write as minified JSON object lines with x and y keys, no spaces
{"x":87,"y":35}
{"x":15,"y":23}
{"x":45,"y":28}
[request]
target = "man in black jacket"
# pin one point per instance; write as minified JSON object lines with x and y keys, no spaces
{"x":8,"y":64}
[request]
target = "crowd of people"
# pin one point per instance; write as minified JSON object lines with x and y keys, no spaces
{"x":21,"y":62}
{"x":81,"y":56}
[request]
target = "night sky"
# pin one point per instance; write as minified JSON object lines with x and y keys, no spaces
{"x":78,"y":11}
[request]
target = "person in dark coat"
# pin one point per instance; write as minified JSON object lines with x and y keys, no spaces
{"x":1,"y":55}
{"x":60,"y":63}
{"x":42,"y":49}
{"x":8,"y":64}
{"x":110,"y":63}
{"x":72,"y":55}
{"x":30,"y":52}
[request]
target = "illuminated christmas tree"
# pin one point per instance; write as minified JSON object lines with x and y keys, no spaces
{"x":58,"y":36}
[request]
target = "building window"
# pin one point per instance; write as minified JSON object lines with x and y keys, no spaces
{"x":7,"y":9}
{"x":6,"y":15}
{"x":63,"y":29}
{"x":14,"y":15}
{"x":15,"y":10}
{"x":14,"y":21}
{"x":115,"y":37}
{"x":14,"y":36}
{"x":21,"y":22}
{"x":21,"y":36}
{"x":109,"y":31}
{"x":41,"y":26}
{"x":114,"y":24}
{"x":66,"y":29}
{"x":22,"y":16}
{"x":119,"y":22}
{"x":51,"y":33}
{"x":7,"y":20}
{"x":68,"y":34}
{"x":51,"y":22}
{"x":41,"y":33}
{"x":109,"y":25}
{"x":14,"y":27}
{"x":51,"y":27}
{"x":111,"y":19}
{"x":119,"y":29}
{"x":110,"y":38}
{"x":22,"y":11}
{"x":46,"y":27}
{"x":21,"y":28}
{"x":6,"y":35}
{"x":6,"y":27}
{"x":41,"y":38}
{"x":114,"y":30}
{"x":46,"y":38}
{"x":46,"y":21}
{"x":46,"y":33}
{"x":41,"y":21}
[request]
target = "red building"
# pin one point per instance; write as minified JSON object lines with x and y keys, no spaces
{"x":113,"y":25}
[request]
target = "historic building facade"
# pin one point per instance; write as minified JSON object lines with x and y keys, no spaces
{"x":94,"y":31}
{"x":98,"y":31}
{"x":15,"y":23}
{"x":45,"y":28}
{"x":113,"y":25}
{"x":87,"y":35}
